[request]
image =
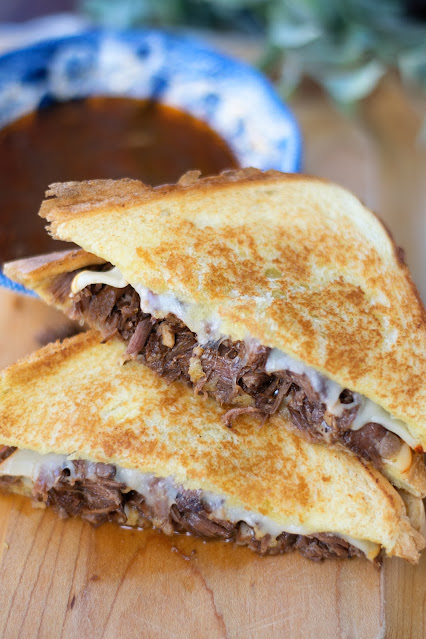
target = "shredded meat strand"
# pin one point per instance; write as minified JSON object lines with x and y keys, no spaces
{"x":98,"y":497}
{"x":228,"y":371}
{"x":233,"y":413}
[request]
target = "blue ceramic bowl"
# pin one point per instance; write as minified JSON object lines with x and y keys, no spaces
{"x":232,"y":97}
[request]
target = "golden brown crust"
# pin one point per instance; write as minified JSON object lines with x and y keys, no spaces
{"x":416,"y":511}
{"x":32,"y":270}
{"x":413,"y":479}
{"x":75,"y":398}
{"x":41,"y":274}
{"x":43,"y":282}
{"x":296,"y":262}
{"x":88,"y":196}
{"x":401,"y":259}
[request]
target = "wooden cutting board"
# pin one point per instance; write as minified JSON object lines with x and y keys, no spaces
{"x":63,"y":579}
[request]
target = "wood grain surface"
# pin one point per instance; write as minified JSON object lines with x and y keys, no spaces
{"x":64,"y":579}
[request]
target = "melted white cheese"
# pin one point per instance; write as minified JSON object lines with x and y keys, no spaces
{"x":166,"y":303}
{"x":329,"y":391}
{"x":29,"y":464}
{"x":371,"y":412}
{"x":86,"y":278}
{"x":157,"y":305}
{"x":369,"y":548}
{"x":163,"y":304}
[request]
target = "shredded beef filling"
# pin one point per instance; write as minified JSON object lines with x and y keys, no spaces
{"x":6,"y":451}
{"x":98,"y":498}
{"x":228,"y":371}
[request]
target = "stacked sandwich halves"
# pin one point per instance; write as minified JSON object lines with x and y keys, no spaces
{"x":255,"y":369}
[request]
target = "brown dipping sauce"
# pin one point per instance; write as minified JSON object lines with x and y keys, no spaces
{"x":94,"y":138}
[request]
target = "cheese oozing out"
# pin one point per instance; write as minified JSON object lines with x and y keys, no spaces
{"x":86,"y":278}
{"x":330,"y":391}
{"x":160,"y":305}
{"x":29,"y":464}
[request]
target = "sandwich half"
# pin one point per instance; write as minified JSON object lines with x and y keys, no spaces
{"x":88,"y":437}
{"x":272,"y":293}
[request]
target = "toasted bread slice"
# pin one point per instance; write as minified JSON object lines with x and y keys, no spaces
{"x":74,"y":399}
{"x":295,"y":262}
{"x":50,"y":276}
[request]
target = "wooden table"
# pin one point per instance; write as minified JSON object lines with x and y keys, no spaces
{"x":65,"y":579}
